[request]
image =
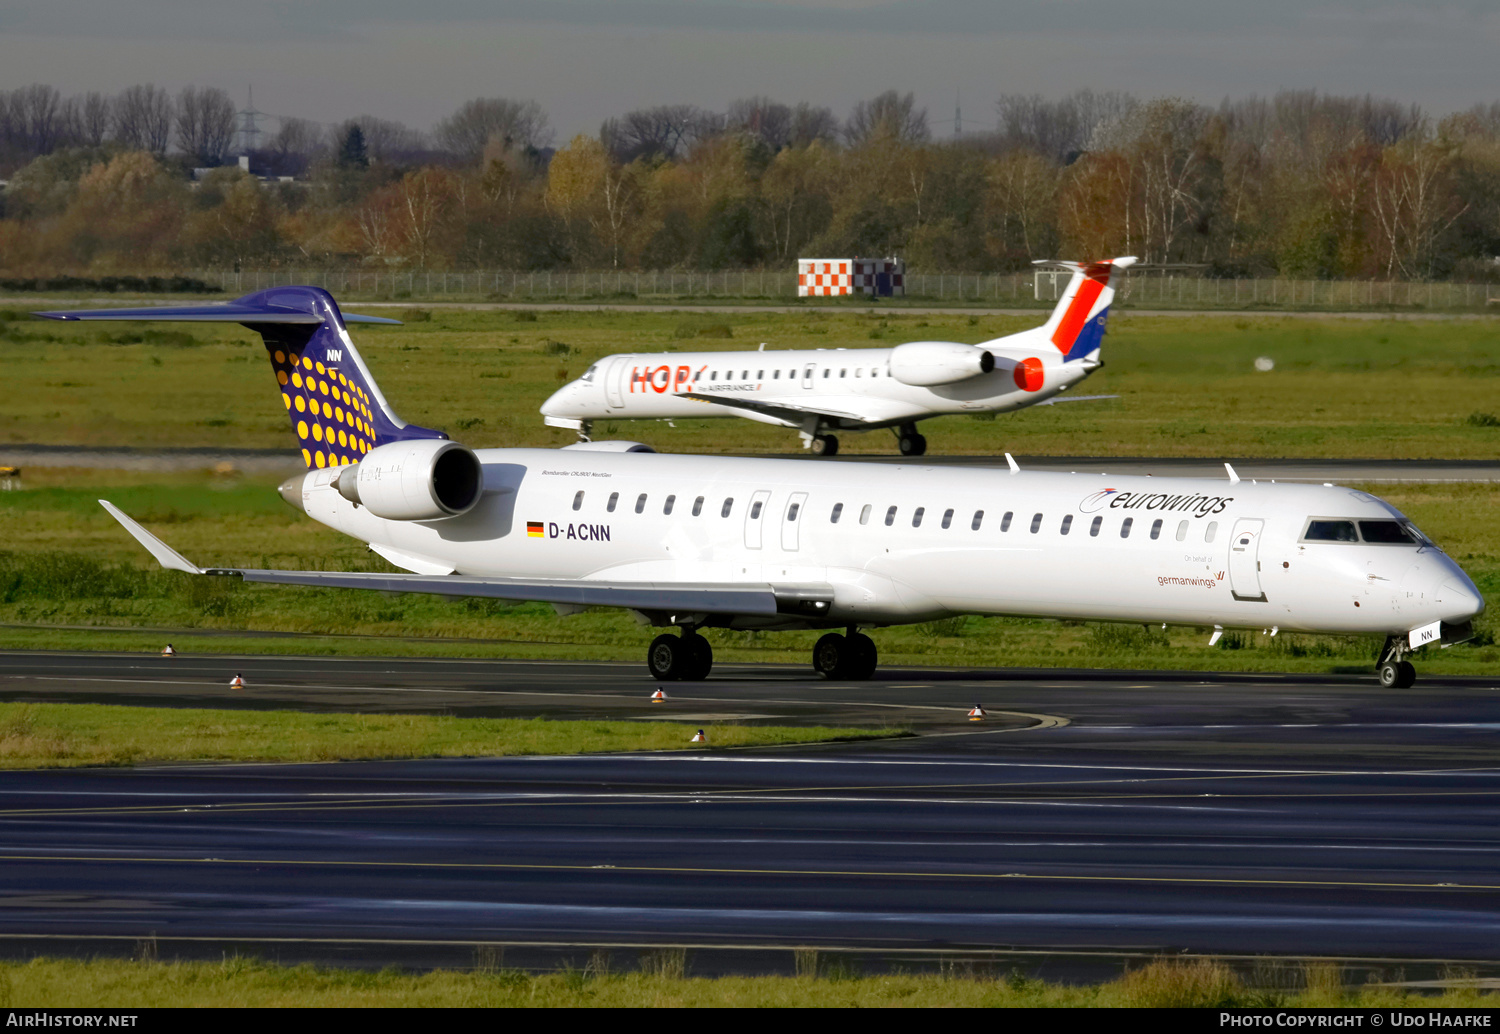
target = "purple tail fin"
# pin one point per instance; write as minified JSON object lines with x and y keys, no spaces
{"x":337,"y":410}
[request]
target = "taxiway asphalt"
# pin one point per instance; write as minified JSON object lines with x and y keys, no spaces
{"x":1098,"y":812}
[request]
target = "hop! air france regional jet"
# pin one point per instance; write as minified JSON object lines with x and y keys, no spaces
{"x":697,"y":542}
{"x":864,"y":389}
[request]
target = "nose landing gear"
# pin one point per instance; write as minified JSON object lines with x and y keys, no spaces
{"x":684,"y":658}
{"x":1393,"y":669}
{"x":851,"y":656}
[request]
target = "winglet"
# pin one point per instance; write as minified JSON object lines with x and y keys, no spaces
{"x":1015,"y":468}
{"x":165,"y":554}
{"x":1234,"y":478}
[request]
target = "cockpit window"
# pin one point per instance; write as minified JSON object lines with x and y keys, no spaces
{"x":1386,"y":532}
{"x":1330,"y":531}
{"x":588,"y":374}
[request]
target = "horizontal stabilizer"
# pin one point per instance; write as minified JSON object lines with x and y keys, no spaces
{"x":221,"y":312}
{"x":646,"y":596}
{"x":1055,"y":399}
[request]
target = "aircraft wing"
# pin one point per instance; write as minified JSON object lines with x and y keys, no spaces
{"x":791,"y":413}
{"x":669,"y":598}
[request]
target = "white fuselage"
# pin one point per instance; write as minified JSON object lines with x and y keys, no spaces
{"x":912,"y":542}
{"x":842,"y":388}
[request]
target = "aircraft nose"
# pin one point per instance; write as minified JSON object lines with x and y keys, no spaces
{"x":291,"y":491}
{"x":1458,"y":600}
{"x":556,"y":405}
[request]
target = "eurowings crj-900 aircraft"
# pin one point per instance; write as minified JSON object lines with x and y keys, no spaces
{"x":863,"y":389}
{"x":698,"y":542}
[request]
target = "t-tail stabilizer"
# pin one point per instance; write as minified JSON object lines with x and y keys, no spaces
{"x":1076,"y":326}
{"x":337,"y":410}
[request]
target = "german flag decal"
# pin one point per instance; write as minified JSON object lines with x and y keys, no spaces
{"x":534,"y":529}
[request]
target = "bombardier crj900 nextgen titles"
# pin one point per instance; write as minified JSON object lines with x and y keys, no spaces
{"x":862,"y":389}
{"x":698,"y":542}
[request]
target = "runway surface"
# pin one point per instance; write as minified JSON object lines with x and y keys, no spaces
{"x":1104,"y":813}
{"x":283,"y":461}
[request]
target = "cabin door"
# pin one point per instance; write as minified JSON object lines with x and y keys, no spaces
{"x":614,"y":380}
{"x":1244,"y":561}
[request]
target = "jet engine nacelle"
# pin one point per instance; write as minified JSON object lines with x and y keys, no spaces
{"x":927,"y":363}
{"x":421,"y":480}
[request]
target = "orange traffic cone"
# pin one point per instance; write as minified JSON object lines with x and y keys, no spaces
{"x":976,"y":715}
{"x":700,"y":738}
{"x":659,"y":697}
{"x":167,"y":651}
{"x":236,"y":683}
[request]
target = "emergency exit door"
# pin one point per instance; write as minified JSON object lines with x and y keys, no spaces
{"x":1244,"y":561}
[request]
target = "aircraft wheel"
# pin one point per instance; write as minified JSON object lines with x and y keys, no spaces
{"x":1390,"y":674}
{"x":861,"y":657}
{"x":667,"y":658}
{"x":700,"y":657}
{"x":825,"y":445}
{"x":829,"y":656}
{"x":1406,"y":674}
{"x":913,"y":445}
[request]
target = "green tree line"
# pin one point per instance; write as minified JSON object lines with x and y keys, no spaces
{"x":1300,"y":184}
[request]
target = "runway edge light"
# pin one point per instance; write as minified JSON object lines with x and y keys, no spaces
{"x":237,"y":683}
{"x":699,"y":737}
{"x":977,"y":714}
{"x":659,"y":697}
{"x":167,"y":651}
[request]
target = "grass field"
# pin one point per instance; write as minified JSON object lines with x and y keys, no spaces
{"x":661,"y":978}
{"x":67,"y":735}
{"x":1187,"y":386}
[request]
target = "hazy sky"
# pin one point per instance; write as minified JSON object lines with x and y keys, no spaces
{"x":583,"y":60}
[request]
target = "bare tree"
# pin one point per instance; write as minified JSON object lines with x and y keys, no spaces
{"x":295,"y":146}
{"x":763,"y":119}
{"x":38,"y":112}
{"x":95,"y":112}
{"x":811,"y":122}
{"x":1060,"y":130}
{"x":892,"y":115}
{"x":1415,"y":203}
{"x":518,"y":125}
{"x":205,"y":124}
{"x":143,"y":118}
{"x":662,"y":132}
{"x":385,"y":141}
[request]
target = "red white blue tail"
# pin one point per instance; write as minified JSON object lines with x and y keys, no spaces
{"x":1076,"y":327}
{"x":337,"y":410}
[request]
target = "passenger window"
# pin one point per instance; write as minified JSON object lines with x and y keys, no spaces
{"x":1005,"y":521}
{"x":775,"y":375}
{"x":755,"y":510}
{"x":1094,"y":527}
{"x":791,"y":511}
{"x":864,"y":515}
{"x":1182,"y":527}
{"x":838,"y":508}
{"x":760,"y":375}
{"x":1067,"y":523}
{"x":667,"y":507}
{"x":697,"y":374}
{"x":978,"y":519}
{"x":697,"y":506}
{"x":1036,"y":523}
{"x":1386,"y":532}
{"x":890,"y":517}
{"x":728,"y":505}
{"x":1156,"y":528}
{"x":844,"y":373}
{"x":714,"y":376}
{"x":947,"y":519}
{"x":1210,"y":531}
{"x":826,"y":372}
{"x":578,"y":501}
{"x":744,"y":375}
{"x":640,"y":504}
{"x":1125,"y":527}
{"x":1331,"y":531}
{"x":859,"y":371}
{"x":916,"y":518}
{"x":614,"y":497}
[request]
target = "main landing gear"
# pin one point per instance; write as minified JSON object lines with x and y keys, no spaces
{"x":824,"y":445}
{"x":685,"y":658}
{"x":1395,"y":671}
{"x":909,"y":441}
{"x":849,"y":656}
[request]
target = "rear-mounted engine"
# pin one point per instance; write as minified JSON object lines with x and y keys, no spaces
{"x":928,"y":363}
{"x":421,"y":480}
